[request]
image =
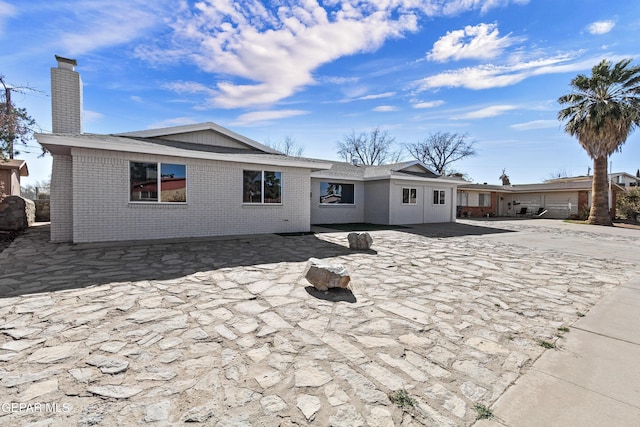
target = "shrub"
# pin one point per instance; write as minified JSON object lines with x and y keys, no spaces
{"x":584,"y":213}
{"x":628,"y":204}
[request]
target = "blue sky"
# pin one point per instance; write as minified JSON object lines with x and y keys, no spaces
{"x":317,"y":70}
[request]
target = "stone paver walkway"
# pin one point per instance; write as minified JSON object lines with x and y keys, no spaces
{"x":225,"y":332}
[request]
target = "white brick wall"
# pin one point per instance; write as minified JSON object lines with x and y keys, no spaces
{"x":336,"y":214}
{"x":102,"y":211}
{"x":66,"y":101}
{"x":61,"y":199}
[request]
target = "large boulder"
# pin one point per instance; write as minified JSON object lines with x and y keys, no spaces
{"x":16,"y":213}
{"x":360,"y":241}
{"x":323,"y":275}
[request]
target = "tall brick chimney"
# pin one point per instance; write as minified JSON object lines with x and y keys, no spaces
{"x":66,"y":97}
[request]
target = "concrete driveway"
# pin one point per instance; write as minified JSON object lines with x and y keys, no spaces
{"x":227,"y":332}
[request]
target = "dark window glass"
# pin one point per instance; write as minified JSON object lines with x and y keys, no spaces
{"x":272,"y":187}
{"x":336,"y":193}
{"x":143,"y":182}
{"x":409,"y":196}
{"x":173,"y":183}
{"x":252,"y":187}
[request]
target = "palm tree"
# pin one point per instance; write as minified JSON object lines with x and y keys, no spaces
{"x":601,"y":111}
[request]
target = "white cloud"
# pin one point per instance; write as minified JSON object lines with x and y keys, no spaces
{"x":483,"y":113}
{"x":455,"y":7}
{"x":376,"y":96}
{"x":601,"y":27}
{"x":121,"y":22}
{"x":176,"y":121}
{"x":473,"y":42}
{"x":276,"y":50}
{"x":385,"y":108}
{"x":490,"y":76}
{"x":340,"y":80}
{"x":536,"y":124}
{"x":136,"y":98}
{"x":189,"y":87}
{"x":430,"y":104}
{"x":266,"y":116}
{"x":91,"y":116}
{"x":370,"y":97}
{"x":6,"y":12}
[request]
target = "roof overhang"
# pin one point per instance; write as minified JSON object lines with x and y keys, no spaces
{"x":420,"y":179}
{"x":334,"y":177}
{"x":63,"y":144}
{"x":320,"y":175}
{"x":20,"y":165}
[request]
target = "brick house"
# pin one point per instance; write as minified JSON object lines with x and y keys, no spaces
{"x":205,"y":180}
{"x":559,"y":199}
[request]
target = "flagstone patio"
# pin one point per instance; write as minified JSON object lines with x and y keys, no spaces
{"x":226,"y":332}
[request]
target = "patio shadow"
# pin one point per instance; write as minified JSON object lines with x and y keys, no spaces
{"x":32,"y":264}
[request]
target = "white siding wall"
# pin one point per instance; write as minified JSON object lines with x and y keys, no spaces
{"x":406,"y":214}
{"x":102,"y":211}
{"x":61,"y":199}
{"x":377,"y":197}
{"x":336,"y":213}
{"x":425,"y":211}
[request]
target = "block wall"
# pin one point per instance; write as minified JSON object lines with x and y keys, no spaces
{"x":66,"y":101}
{"x":61,"y":209}
{"x":102,"y":210}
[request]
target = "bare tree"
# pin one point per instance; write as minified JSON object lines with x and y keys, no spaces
{"x":41,"y":189}
{"x":288,"y":147}
{"x":561,"y":173}
{"x":441,"y":149}
{"x":373,"y":148}
{"x":15,"y":124}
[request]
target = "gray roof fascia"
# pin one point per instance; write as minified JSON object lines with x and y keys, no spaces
{"x":135,"y":145}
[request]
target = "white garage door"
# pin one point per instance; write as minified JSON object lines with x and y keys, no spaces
{"x":561,"y":205}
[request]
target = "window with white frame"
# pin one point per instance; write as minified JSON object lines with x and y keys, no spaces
{"x":439,"y":197}
{"x":462,"y":198}
{"x":484,"y":199}
{"x":167,"y":186}
{"x":336,"y":193}
{"x":261,"y":187}
{"x":409,"y":196}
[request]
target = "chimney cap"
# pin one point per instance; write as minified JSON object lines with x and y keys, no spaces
{"x":66,"y":62}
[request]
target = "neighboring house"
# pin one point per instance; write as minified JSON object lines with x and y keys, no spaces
{"x":204,"y":180}
{"x":400,"y":193}
{"x":622,"y":179}
{"x":10,"y":172}
{"x":557,"y":198}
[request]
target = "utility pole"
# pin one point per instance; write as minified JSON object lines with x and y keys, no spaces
{"x":9,"y":117}
{"x":10,"y":122}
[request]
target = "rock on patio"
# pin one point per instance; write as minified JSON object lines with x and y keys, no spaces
{"x":223,"y":332}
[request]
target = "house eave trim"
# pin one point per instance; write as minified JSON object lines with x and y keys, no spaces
{"x":78,"y":142}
